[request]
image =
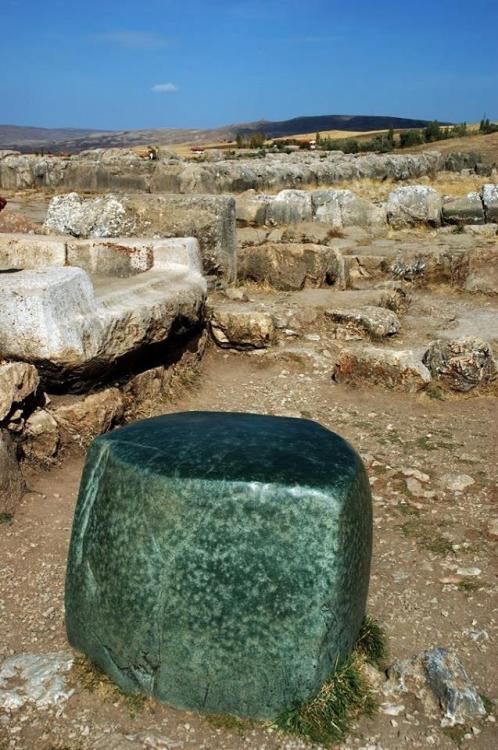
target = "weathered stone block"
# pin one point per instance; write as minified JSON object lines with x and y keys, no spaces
{"x":31,"y":251}
{"x":410,"y":205}
{"x":358,"y":323}
{"x":251,"y":209}
{"x":462,"y":364}
{"x":242,"y":329}
{"x":289,"y":207}
{"x":489,"y":197}
{"x":70,"y":326}
{"x":466,"y":210}
{"x":40,"y":438}
{"x":208,"y":218}
{"x":119,"y":257}
{"x":18,"y":382}
{"x":292,"y":266}
{"x":389,"y":367}
{"x":93,"y":415}
{"x":220,"y":562}
{"x":11,"y":481}
{"x":342,"y":208}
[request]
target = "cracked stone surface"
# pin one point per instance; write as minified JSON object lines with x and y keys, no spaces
{"x":220,"y":562}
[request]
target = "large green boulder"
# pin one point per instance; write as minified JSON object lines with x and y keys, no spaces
{"x":220,"y":562}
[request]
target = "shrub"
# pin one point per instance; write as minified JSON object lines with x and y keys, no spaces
{"x":410,"y":138}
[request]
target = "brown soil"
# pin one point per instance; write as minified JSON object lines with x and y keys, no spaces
{"x":418,"y":545}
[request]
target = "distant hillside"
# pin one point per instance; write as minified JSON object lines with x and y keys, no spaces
{"x":74,"y":140}
{"x":355,"y":123}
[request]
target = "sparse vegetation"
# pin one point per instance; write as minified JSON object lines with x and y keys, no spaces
{"x":254,"y":140}
{"x":328,"y":716}
{"x":427,"y":536}
{"x":386,"y":142}
{"x":372,"y":642}
{"x":231,"y":723}
{"x":468,"y":586}
{"x":456,"y":733}
{"x":6,"y":517}
{"x":91,"y":678}
{"x":488,"y":704}
{"x":486,"y":126}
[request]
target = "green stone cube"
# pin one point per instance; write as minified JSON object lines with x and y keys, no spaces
{"x":220,"y":561}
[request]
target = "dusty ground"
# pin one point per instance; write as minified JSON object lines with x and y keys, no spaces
{"x":419,"y":545}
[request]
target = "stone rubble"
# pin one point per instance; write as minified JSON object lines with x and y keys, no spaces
{"x":393,"y":368}
{"x":438,"y":679}
{"x":241,"y":329}
{"x":461,"y":364}
{"x":367,"y":322}
{"x":35,"y":678}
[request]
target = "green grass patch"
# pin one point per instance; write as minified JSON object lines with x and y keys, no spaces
{"x":372,"y":642}
{"x":456,"y":733}
{"x":426,"y":536}
{"x":439,"y":545}
{"x":6,"y":517}
{"x":425,"y":444}
{"x":488,"y":704}
{"x":435,"y":392}
{"x":328,"y":716}
{"x":406,"y":510}
{"x":363,"y":425}
{"x":468,"y":586}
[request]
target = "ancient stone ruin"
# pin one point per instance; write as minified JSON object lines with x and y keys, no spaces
{"x":358,"y":291}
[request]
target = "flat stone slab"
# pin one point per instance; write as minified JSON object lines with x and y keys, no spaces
{"x":358,"y":323}
{"x":219,"y":561}
{"x":109,"y":256}
{"x":68,"y":324}
{"x":208,"y":218}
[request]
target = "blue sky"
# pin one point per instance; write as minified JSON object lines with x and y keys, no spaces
{"x":128,"y":64}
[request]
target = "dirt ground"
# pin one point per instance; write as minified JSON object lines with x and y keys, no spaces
{"x":416,"y":592}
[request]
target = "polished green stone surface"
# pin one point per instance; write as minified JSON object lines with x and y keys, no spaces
{"x":220,"y":561}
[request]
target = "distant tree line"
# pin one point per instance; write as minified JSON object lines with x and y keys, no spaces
{"x":383,"y":143}
{"x":486,"y":126}
{"x":253,"y":140}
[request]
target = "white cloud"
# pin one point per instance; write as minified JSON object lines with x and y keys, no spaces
{"x":132,"y":39}
{"x":165,"y":88}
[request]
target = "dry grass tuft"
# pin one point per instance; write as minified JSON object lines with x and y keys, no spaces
{"x":328,"y":716}
{"x":341,"y":700}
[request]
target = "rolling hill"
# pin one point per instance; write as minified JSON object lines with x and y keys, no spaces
{"x":74,"y":140}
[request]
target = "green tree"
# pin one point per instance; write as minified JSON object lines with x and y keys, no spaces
{"x":257,"y":140}
{"x":432,"y":132}
{"x":409,"y":138}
